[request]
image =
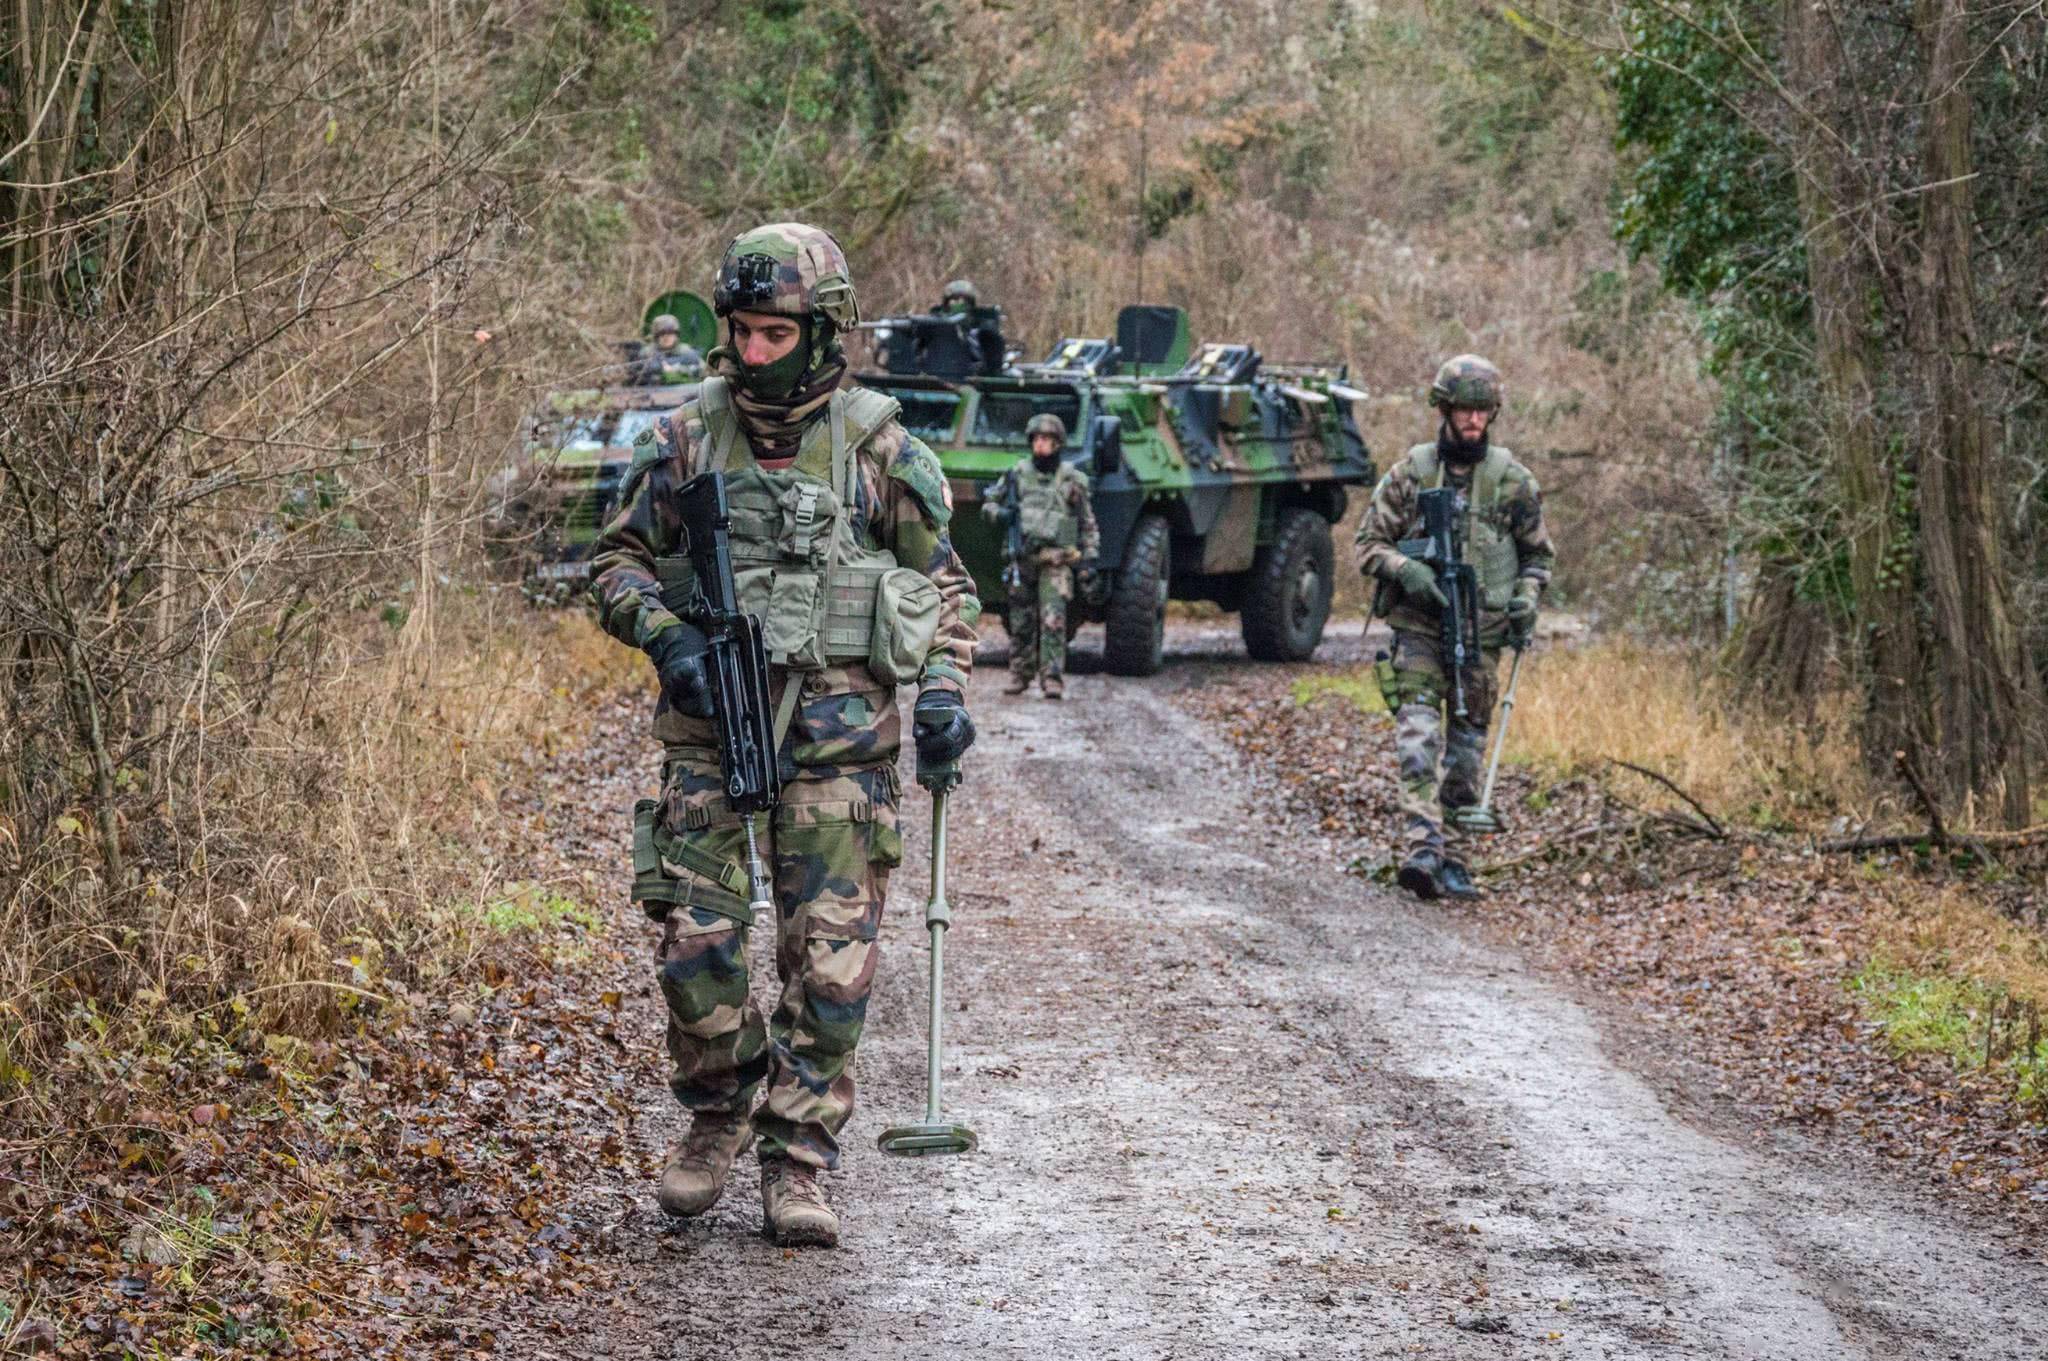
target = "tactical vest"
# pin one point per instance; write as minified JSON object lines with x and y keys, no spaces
{"x":799,"y":560}
{"x":1045,"y":508}
{"x":1489,"y":543}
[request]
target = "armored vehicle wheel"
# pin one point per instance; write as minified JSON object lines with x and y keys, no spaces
{"x":1287,"y":600}
{"x":1135,"y":629}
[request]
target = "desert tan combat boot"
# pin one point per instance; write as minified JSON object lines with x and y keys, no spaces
{"x":1053,"y":687}
{"x":698,"y":1166}
{"x":1017,"y":684}
{"x":793,"y":1206}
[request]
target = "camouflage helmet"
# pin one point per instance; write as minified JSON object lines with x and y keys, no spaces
{"x":963,"y":288}
{"x":1466,"y":381}
{"x":1045,"y":423}
{"x":666,"y":325}
{"x":787,"y":268}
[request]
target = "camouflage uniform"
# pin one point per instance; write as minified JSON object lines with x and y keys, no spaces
{"x":833,"y":838}
{"x":1504,"y":537}
{"x":1058,"y":530}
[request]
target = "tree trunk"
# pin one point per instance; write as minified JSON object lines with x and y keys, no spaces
{"x":1841,"y":217}
{"x":1982,"y":699}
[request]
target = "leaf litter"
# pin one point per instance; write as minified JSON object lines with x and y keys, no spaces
{"x":1739,"y":951}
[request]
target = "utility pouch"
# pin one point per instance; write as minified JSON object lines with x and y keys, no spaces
{"x":657,"y":892}
{"x":789,"y":627}
{"x":1388,"y":678}
{"x":1384,"y":593}
{"x":906,"y":624}
{"x":654,"y":891}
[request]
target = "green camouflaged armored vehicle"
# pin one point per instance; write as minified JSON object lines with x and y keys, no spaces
{"x":1215,"y":476}
{"x":575,"y":445}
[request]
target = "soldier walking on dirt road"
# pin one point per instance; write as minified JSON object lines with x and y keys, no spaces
{"x":1501,"y":535}
{"x":839,"y":544}
{"x":1053,"y":545}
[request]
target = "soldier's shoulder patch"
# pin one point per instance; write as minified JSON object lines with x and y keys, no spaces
{"x":917,"y":468}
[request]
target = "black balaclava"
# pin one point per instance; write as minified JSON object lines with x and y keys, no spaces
{"x":778,"y":401}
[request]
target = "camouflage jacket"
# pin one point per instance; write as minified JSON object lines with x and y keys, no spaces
{"x":1513,"y":517}
{"x":902,"y":504}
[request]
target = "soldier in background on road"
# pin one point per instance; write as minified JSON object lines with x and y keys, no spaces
{"x":667,"y":360}
{"x":1503,"y":537}
{"x":831,"y":501}
{"x":1044,"y":499}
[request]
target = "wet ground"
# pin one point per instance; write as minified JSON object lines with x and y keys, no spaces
{"x":1235,"y":1103}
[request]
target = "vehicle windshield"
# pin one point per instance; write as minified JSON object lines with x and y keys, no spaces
{"x":631,"y":423}
{"x":580,"y":434}
{"x":928,"y":413}
{"x":1001,"y":416}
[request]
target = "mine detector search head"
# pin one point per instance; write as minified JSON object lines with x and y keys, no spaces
{"x":933,"y":1136}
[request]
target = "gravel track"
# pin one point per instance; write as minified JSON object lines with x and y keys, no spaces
{"x":1234,"y":1103}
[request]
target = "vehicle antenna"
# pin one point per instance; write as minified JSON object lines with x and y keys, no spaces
{"x":1144,"y":126}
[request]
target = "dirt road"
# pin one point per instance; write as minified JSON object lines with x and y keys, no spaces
{"x":1236,"y":1104}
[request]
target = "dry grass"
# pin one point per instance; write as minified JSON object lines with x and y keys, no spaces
{"x":348,"y":845}
{"x":1580,"y":708}
{"x":1949,"y":929}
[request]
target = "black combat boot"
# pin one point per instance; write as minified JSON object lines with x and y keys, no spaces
{"x":1457,"y":880}
{"x":1422,"y":874}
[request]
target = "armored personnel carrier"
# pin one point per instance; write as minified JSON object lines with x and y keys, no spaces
{"x":574,"y":448}
{"x":1215,"y":475}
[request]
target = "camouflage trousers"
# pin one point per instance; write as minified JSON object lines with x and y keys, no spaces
{"x":1439,"y":753}
{"x":1038,"y":619}
{"x":829,"y":847}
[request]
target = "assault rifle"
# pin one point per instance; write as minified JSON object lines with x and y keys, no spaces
{"x":1440,"y":547}
{"x":736,"y":660}
{"x":1012,"y":502}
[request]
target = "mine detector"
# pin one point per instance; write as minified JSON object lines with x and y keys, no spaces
{"x":1215,"y":475}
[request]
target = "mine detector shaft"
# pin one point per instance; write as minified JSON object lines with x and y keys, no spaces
{"x":736,"y":659}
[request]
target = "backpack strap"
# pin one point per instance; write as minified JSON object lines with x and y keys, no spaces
{"x":721,"y":423}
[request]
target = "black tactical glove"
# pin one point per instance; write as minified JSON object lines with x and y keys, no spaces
{"x":1522,"y":613}
{"x":678,"y":653}
{"x":1418,"y":583}
{"x":943,"y":731}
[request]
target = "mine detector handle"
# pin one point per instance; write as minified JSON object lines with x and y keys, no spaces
{"x":735,"y":656}
{"x":1439,"y":546}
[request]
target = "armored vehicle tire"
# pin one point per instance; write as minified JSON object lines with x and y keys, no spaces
{"x":1134,"y":632}
{"x":1287,"y":599}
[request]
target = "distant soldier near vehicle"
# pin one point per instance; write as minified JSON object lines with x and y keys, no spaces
{"x":1488,"y":511}
{"x":981,"y":327}
{"x":960,"y":297}
{"x":667,"y":360}
{"x":836,"y":523}
{"x":1052,"y":546}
